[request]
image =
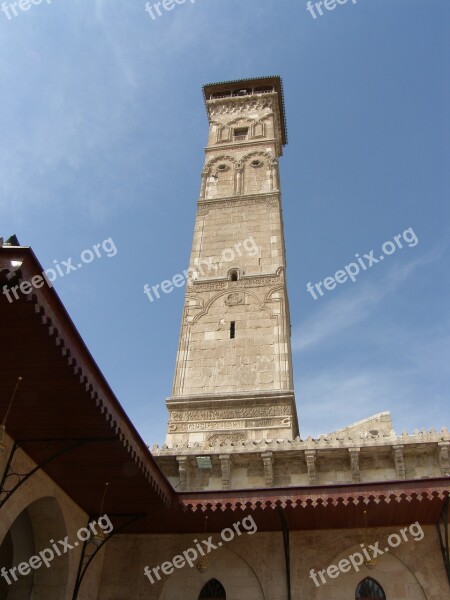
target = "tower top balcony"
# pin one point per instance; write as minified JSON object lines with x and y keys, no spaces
{"x":242,"y":88}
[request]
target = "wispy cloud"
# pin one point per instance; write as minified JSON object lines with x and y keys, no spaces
{"x":414,"y":392}
{"x":336,"y":314}
{"x":373,"y":364}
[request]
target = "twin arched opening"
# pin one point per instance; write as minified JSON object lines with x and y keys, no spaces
{"x":368,"y":589}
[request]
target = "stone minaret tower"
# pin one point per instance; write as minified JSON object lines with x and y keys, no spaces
{"x":233,"y":377}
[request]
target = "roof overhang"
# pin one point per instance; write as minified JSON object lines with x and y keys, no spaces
{"x":65,"y":405}
{"x":389,"y":503}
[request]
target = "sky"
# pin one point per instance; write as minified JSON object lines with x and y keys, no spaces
{"x":103,"y":129}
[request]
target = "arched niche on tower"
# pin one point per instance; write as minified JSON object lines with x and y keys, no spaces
{"x":258,"y":129}
{"x":267,"y":123}
{"x":219,"y":178}
{"x":258,"y":176}
{"x":216,"y":133}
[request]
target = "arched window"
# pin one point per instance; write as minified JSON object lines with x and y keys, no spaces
{"x":212,"y":589}
{"x":368,"y":589}
{"x":234,"y":276}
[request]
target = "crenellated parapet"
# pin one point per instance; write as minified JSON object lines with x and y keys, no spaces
{"x":334,"y":458}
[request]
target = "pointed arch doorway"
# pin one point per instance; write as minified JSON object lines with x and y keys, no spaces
{"x":211,"y":590}
{"x":369,"y":589}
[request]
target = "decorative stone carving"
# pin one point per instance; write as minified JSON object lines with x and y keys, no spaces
{"x":310,"y":456}
{"x":229,"y":413}
{"x":226,"y":425}
{"x":234,"y":299}
{"x":267,"y":458}
{"x":225,"y":438}
{"x":267,"y":155}
{"x":236,"y":106}
{"x":213,"y":426}
{"x":205,"y":205}
{"x":221,"y":158}
{"x":247,"y":282}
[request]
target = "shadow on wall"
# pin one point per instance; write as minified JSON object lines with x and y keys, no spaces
{"x":31,"y":532}
{"x":228,"y":575}
{"x":392,"y":576}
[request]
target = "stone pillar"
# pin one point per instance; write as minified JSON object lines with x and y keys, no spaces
{"x":203,"y":187}
{"x":399,"y":461}
{"x":354,"y":464}
{"x":274,"y":174}
{"x":239,"y":171}
{"x":444,"y":457}
{"x":225,"y":463}
{"x":267,"y":458}
{"x":310,"y":456}
{"x":183,"y":472}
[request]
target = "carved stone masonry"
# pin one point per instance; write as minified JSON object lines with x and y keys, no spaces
{"x":354,"y":464}
{"x":399,"y":461}
{"x":310,"y":456}
{"x":233,"y":201}
{"x":267,"y":458}
{"x":250,"y":282}
{"x":229,"y":413}
{"x":225,"y":463}
{"x":183,"y":472}
{"x":444,"y":457}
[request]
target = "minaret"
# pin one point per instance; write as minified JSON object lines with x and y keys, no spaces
{"x":233,"y":377}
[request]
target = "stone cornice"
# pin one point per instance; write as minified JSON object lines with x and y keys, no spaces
{"x":324,"y":443}
{"x":246,"y":282}
{"x":233,"y":145}
{"x":272,"y":199}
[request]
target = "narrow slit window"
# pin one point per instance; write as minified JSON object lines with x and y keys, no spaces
{"x":232,"y":329}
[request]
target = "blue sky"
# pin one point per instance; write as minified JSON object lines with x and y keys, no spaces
{"x":103,"y":130}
